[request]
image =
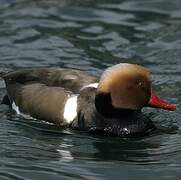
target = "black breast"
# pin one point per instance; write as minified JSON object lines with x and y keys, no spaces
{"x":123,"y":123}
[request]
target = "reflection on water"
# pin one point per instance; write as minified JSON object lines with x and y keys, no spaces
{"x":91,"y":35}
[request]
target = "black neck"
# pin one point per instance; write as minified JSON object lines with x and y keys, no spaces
{"x":104,"y":107}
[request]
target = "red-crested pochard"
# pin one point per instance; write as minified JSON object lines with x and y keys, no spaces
{"x":74,"y":99}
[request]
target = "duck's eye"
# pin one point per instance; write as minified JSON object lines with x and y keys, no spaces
{"x":141,"y":85}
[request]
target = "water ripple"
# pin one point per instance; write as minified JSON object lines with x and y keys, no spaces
{"x":91,"y":35}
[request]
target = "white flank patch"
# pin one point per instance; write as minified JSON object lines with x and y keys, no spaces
{"x":70,"y":110}
{"x":94,"y":85}
{"x":16,"y":108}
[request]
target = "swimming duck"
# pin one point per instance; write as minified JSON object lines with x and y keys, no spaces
{"x":75,"y":99}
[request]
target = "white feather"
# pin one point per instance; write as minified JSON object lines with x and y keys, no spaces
{"x":94,"y":85}
{"x":70,"y":109}
{"x":16,"y":108}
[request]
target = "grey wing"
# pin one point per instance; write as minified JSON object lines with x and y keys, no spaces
{"x":70,"y":79}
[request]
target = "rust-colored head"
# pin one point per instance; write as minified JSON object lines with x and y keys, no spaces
{"x":129,"y":86}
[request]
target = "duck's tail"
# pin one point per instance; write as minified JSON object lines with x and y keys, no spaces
{"x":4,"y":71}
{"x":6,"y":100}
{"x":2,"y":74}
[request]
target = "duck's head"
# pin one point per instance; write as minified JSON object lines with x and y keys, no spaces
{"x":127,"y":86}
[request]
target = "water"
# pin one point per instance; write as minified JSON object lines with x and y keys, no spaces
{"x":91,"y":35}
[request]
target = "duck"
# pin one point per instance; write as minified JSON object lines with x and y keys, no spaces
{"x":110,"y":105}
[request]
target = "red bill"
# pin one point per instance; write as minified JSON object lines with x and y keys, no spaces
{"x":156,"y":102}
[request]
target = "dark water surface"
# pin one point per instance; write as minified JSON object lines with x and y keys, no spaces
{"x":91,"y":35}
